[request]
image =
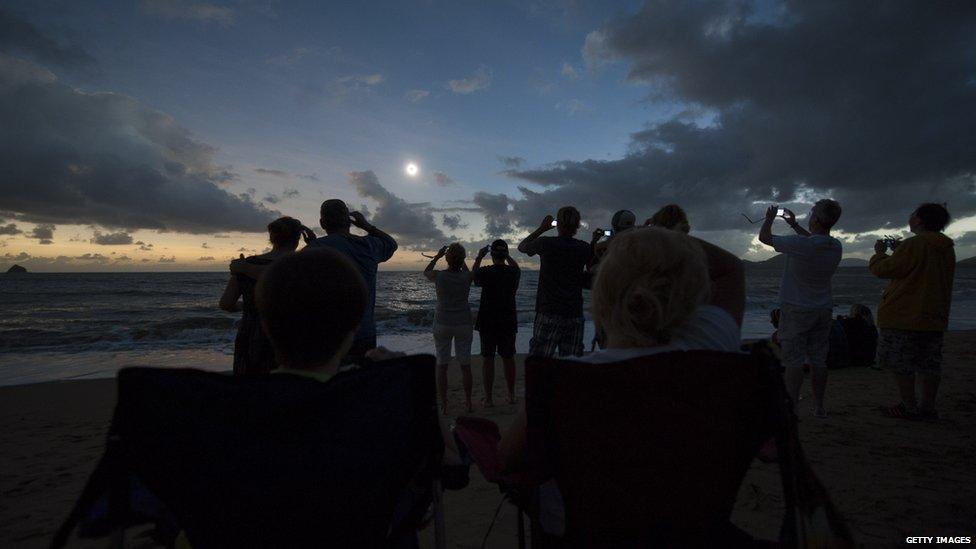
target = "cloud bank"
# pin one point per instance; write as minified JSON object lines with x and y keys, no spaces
{"x":412,"y":224}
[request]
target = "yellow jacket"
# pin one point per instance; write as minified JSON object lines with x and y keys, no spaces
{"x":921,"y":271}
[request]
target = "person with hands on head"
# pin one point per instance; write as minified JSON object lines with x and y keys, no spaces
{"x":558,"y":327}
{"x":252,"y":349}
{"x":452,"y":318}
{"x":497,"y":321}
{"x":914,"y":310}
{"x":806,"y":300}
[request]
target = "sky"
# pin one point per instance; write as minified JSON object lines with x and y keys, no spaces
{"x":166,"y":134}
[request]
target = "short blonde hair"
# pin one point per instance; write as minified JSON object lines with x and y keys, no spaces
{"x":649,"y":284}
{"x":455,"y":254}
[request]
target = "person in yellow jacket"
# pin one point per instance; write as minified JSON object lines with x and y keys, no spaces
{"x":914,"y":310}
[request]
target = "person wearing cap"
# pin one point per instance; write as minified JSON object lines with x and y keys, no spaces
{"x":497,"y":321}
{"x":558,"y":327}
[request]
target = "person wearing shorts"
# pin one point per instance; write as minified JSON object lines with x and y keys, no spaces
{"x":452,"y":319}
{"x":806,"y":301}
{"x":558,"y":326}
{"x":914,"y":310}
{"x":497,"y":321}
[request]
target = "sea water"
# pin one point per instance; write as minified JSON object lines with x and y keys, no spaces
{"x":71,"y":325}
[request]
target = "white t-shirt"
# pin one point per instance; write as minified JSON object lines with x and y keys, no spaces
{"x":810,"y":264}
{"x":711,"y":328}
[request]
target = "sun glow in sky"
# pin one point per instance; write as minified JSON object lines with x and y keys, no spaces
{"x":411,"y":169}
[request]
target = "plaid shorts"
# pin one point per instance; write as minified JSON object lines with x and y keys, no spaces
{"x":804,"y":336}
{"x":910,"y":351}
{"x":552,"y":332}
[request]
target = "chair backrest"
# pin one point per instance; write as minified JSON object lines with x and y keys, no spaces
{"x":280,"y":460}
{"x":649,"y":449}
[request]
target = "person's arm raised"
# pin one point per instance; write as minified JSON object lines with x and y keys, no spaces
{"x":390,"y":244}
{"x":728,"y":280}
{"x":478,"y":259}
{"x":790,"y":218}
{"x":429,"y":272}
{"x":242,"y":267}
{"x":766,"y":231}
{"x":511,"y":261}
{"x":897,"y":265}
{"x":232,"y":293}
{"x":525,"y":246}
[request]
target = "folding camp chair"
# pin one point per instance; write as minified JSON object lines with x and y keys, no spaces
{"x":651,"y":451}
{"x":275,"y":461}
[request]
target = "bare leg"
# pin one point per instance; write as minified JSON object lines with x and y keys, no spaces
{"x":466,"y":378}
{"x":442,"y":386}
{"x":794,"y":380}
{"x":928,"y":388}
{"x":906,"y":389}
{"x":488,"y":379}
{"x":510,"y":378}
{"x":818,"y":375}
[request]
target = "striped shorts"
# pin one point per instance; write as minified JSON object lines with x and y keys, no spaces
{"x":555,"y":335}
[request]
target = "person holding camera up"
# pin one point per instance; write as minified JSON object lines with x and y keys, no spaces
{"x":497,"y":321}
{"x":559,"y":299}
{"x":914,"y":310}
{"x":452,"y":318}
{"x":806,"y":302}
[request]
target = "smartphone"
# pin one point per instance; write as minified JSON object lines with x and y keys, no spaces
{"x":553,"y":223}
{"x":607,"y":232}
{"x":780,"y":212}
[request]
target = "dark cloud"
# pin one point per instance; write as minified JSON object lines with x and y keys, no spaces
{"x":310,"y":177}
{"x":498,"y":218}
{"x":163,"y":259}
{"x":443,"y":179}
{"x":111,"y":239}
{"x":291,"y":193}
{"x":19,"y":36}
{"x":273,"y":173}
{"x":453,"y":222}
{"x":271,"y":198}
{"x":413,"y":224}
{"x":9,"y":229}
{"x":105,"y":159}
{"x":44,"y":233}
{"x":206,"y":258}
{"x":871,"y":104}
{"x":144,"y":246}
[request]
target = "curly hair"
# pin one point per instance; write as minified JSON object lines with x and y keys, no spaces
{"x":649,"y":284}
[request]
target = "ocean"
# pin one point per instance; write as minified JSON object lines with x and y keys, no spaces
{"x":70,"y":325}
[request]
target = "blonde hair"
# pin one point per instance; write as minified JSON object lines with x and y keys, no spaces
{"x":671,"y":217}
{"x":455,"y":255}
{"x":649,"y":284}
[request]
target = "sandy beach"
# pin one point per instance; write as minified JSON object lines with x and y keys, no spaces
{"x":890,"y":478}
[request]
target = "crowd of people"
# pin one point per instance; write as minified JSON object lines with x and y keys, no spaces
{"x":654,"y":287}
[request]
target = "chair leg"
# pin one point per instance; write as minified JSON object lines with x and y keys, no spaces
{"x":521,"y":528}
{"x":440,"y":537}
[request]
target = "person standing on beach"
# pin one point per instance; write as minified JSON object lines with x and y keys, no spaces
{"x":452,"y":318}
{"x":559,"y":299}
{"x":497,"y":321}
{"x":806,"y":301}
{"x":622,"y":220}
{"x":253,"y":353}
{"x":366,"y":252}
{"x":914,"y":310}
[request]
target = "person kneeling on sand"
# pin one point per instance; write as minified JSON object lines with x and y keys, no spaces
{"x":914,"y":310}
{"x":657,"y":290}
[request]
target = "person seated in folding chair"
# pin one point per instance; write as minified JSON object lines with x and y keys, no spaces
{"x":657,"y":290}
{"x":286,"y":462}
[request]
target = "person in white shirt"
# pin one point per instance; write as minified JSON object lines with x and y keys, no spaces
{"x":806,"y":303}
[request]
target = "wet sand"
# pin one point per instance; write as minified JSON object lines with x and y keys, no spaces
{"x":890,"y":478}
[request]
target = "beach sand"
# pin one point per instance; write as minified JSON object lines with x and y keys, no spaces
{"x":890,"y":478}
